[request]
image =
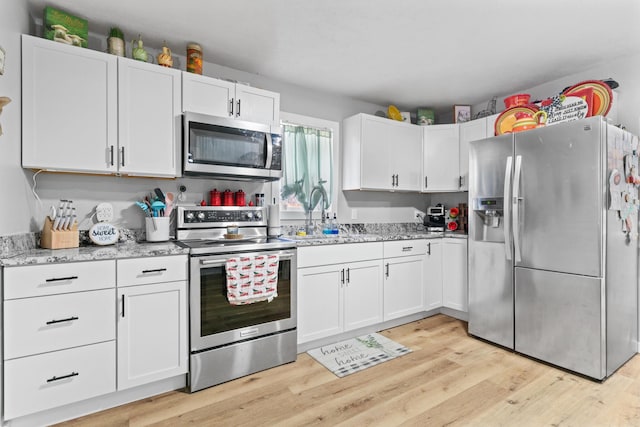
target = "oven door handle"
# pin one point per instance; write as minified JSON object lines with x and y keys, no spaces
{"x":223,"y":261}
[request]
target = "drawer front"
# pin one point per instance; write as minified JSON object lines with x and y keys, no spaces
{"x":36,"y":383}
{"x":398,"y":248}
{"x":49,"y":279}
{"x":143,"y":271}
{"x":56,"y":322}
{"x":311,"y":256}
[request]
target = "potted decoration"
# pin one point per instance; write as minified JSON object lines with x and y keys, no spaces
{"x":115,"y":42}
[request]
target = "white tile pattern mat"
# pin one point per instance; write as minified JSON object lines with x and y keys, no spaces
{"x":353,"y":355}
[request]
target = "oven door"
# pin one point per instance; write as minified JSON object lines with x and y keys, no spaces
{"x":215,"y":322}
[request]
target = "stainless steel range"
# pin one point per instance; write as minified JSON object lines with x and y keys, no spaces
{"x":227,"y":340}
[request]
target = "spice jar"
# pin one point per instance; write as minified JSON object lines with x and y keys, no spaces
{"x":194,"y":58}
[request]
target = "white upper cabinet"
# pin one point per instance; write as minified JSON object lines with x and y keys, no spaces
{"x":148,"y":118}
{"x":441,"y":158}
{"x":69,"y":107}
{"x":381,"y":154}
{"x":469,"y":131}
{"x":88,"y":111}
{"x":221,"y":98}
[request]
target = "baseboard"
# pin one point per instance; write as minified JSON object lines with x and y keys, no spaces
{"x":99,"y":403}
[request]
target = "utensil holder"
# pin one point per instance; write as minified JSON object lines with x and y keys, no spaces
{"x":159,"y":232}
{"x":59,"y":239}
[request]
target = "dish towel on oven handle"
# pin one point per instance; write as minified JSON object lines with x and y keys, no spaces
{"x":252,"y":279}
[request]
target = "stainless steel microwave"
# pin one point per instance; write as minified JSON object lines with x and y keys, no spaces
{"x":231,"y":149}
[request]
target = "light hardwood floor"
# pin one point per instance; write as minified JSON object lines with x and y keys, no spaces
{"x":448,"y":379}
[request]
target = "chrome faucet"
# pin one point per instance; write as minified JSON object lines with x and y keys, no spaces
{"x":323,"y":194}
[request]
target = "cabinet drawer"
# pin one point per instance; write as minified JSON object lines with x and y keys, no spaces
{"x":311,"y":256}
{"x":55,"y":322}
{"x":398,"y":248}
{"x":49,"y":279}
{"x":36,"y":383}
{"x":143,"y":271}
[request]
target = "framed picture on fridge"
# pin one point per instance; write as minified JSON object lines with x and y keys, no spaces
{"x":461,"y":113}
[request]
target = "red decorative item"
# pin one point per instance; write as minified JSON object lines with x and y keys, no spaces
{"x":240,"y":198}
{"x":227,"y":198}
{"x":517,"y":100}
{"x":203,"y":203}
{"x":452,"y":226}
{"x":214,"y":198}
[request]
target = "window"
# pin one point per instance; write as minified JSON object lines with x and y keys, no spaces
{"x":309,"y":161}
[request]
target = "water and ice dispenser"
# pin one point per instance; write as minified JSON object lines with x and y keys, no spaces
{"x":488,"y":218}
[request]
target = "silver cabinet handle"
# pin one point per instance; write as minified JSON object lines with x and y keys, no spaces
{"x":460,"y":181}
{"x":387,"y":272}
{"x":426,"y":182}
{"x":348,"y":275}
{"x":60,"y":279}
{"x":393,"y":180}
{"x":231,"y":107}
{"x":238,"y":112}
{"x":156,"y":270}
{"x":122,"y":156}
{"x":111,"y":154}
{"x":342,"y":276}
{"x":397,"y":180}
{"x":407,"y":248}
{"x":429,"y":248}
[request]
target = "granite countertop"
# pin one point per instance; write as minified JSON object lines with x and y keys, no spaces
{"x":92,"y":253}
{"x":334,"y":239}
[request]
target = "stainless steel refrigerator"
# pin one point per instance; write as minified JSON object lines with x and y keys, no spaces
{"x":552,"y":273}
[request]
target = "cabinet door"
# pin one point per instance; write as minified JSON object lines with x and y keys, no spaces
{"x":257,"y":105}
{"x":362,"y":294}
{"x":433,"y":275}
{"x":152,"y":333}
{"x":320,"y":302}
{"x":469,"y":131}
{"x":69,"y":107}
{"x":205,"y":95}
{"x":376,"y":138}
{"x":454,"y":274}
{"x":441,"y":158}
{"x":403,"y":286}
{"x":405,"y":156}
{"x":148,"y":118}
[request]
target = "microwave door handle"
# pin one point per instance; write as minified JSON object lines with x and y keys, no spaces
{"x":269,"y":150}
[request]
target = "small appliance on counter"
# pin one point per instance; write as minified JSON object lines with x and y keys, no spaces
{"x":435,"y":219}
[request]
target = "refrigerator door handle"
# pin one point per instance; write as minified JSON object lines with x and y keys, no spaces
{"x":516,"y":208}
{"x":508,"y":248}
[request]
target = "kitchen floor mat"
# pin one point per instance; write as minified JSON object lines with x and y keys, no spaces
{"x":356,"y":354}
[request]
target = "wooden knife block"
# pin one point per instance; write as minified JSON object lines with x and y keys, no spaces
{"x":59,"y":239}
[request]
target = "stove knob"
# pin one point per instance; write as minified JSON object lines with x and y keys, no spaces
{"x":258,"y":216}
{"x":201,"y":216}
{"x":189,"y":216}
{"x":248,"y":215}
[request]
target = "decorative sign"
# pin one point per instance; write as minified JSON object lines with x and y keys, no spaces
{"x":103,"y":233}
{"x":568,"y":109}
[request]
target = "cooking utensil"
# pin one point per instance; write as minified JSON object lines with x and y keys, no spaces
{"x":157,"y":207}
{"x":169,"y":199}
{"x":160,"y":195}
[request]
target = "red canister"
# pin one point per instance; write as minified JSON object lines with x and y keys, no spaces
{"x":214,"y":198}
{"x":240,"y":198}
{"x":227,"y":198}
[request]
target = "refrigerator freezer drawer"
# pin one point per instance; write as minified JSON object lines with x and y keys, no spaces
{"x":559,"y":318}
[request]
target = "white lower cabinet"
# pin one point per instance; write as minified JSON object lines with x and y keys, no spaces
{"x":336,"y":297}
{"x":152,"y":320}
{"x":454,"y":274}
{"x":58,"y":335}
{"x":44,"y":381}
{"x":433,"y":275}
{"x":403,"y":278}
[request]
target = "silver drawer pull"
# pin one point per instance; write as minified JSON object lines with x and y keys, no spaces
{"x":54,"y":378}
{"x":69,"y":319}
{"x":407,"y":248}
{"x":60,"y":279}
{"x":157,"y":270}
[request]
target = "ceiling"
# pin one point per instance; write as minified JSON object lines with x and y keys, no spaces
{"x":411,"y":53}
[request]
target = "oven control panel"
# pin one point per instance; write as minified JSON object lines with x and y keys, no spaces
{"x":211,"y":216}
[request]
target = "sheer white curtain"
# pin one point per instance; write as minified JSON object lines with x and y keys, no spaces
{"x":308,"y":168}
